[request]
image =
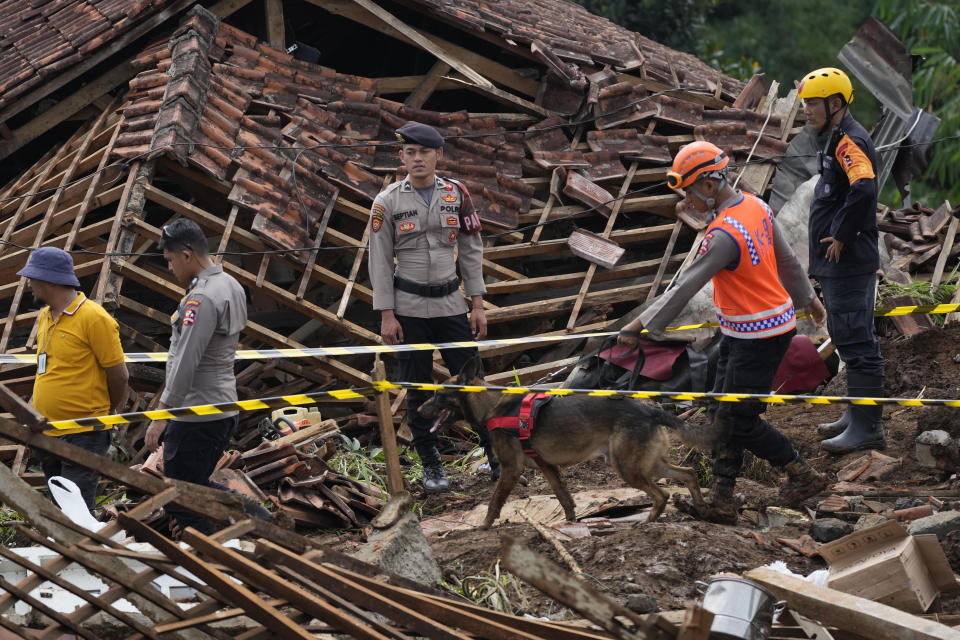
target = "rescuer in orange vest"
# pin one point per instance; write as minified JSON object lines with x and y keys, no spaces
{"x":757,"y":281}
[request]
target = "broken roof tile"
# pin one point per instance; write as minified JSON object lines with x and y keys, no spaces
{"x":52,"y":37}
{"x":631,"y":144}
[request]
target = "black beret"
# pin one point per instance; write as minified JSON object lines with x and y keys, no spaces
{"x":416,"y":133}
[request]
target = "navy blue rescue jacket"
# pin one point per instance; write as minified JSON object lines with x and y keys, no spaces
{"x":845,"y":203}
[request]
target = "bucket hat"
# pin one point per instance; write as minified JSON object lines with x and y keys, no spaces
{"x":50,"y":264}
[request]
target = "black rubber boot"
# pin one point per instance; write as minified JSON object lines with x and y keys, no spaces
{"x":434,"y":477}
{"x":803,"y":481}
{"x":865,"y":430}
{"x":835,"y":428}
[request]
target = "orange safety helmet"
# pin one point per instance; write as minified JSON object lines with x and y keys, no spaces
{"x":693,"y":160}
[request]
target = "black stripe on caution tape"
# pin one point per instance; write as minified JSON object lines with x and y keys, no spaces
{"x":770,"y":398}
{"x":79,"y":425}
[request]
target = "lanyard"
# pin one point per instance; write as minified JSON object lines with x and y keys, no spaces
{"x":42,"y":351}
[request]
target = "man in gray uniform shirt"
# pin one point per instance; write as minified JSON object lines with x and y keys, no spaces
{"x":206,"y":329}
{"x":420,"y":220}
{"x":757,"y":280}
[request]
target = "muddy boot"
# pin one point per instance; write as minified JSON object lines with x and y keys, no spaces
{"x":865,"y":430}
{"x":434,"y":477}
{"x":803,"y":481}
{"x":723,"y":506}
{"x":835,"y":428}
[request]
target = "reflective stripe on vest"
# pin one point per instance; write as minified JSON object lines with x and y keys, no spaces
{"x":751,"y":303}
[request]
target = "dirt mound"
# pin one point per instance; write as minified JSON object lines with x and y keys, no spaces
{"x":663,"y":559}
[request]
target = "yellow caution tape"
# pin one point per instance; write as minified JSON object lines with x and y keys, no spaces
{"x":326,"y":352}
{"x":99,"y":423}
{"x":770,"y":398}
{"x":79,"y":425}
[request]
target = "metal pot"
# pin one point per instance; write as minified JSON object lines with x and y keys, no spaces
{"x":742,"y":610}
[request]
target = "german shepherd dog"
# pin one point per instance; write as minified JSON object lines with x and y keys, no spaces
{"x":572,"y":429}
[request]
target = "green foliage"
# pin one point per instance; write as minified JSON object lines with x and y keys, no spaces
{"x":359,"y":463}
{"x":500,"y":591}
{"x":670,"y":22}
{"x":8,"y":534}
{"x":930,"y":29}
{"x":923,"y":292}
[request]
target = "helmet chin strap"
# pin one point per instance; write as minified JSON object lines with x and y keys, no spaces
{"x":710,"y":202}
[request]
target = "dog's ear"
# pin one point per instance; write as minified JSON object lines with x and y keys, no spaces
{"x":471,"y":370}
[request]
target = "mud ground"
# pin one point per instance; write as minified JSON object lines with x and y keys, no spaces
{"x":663,"y":559}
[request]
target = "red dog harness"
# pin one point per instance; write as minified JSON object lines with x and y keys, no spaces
{"x":522,"y":424}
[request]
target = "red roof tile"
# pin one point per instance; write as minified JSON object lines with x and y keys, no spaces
{"x":40,"y":39}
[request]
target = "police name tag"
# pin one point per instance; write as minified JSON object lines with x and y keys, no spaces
{"x":41,"y":363}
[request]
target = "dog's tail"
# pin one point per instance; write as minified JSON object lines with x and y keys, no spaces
{"x":702,"y":436}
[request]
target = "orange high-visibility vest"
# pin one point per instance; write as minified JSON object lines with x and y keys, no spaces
{"x":751,"y":303}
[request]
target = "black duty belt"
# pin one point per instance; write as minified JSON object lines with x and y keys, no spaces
{"x":426,"y":290}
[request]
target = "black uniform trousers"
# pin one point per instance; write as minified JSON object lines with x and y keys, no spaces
{"x":849,"y":301}
{"x":417,"y":366}
{"x":191,"y":451}
{"x":748,"y":366}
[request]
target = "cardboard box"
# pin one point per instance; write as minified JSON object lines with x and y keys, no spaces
{"x":886,"y":564}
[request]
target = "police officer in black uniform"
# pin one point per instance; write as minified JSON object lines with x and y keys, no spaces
{"x":420,"y":220}
{"x":844,"y":252}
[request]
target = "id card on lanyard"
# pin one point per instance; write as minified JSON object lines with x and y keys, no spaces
{"x":42,"y":352}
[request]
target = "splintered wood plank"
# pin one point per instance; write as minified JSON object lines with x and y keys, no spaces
{"x":65,"y":178}
{"x":276,"y":33}
{"x":54,"y":524}
{"x":124,"y":234}
{"x":592,"y":269}
{"x":66,"y":585}
{"x":661,"y":205}
{"x":236,"y":594}
{"x":248,"y":239}
{"x":227,"y":230}
{"x":427,"y":85}
{"x":491,"y":69}
{"x":312,"y":256}
{"x":848,"y":612}
{"x":90,"y":199}
{"x":423,"y":42}
{"x":11,"y":225}
{"x":334,"y":366}
{"x":558,"y":305}
{"x":667,"y":257}
{"x":98,"y":86}
{"x":498,"y":271}
{"x":945,"y":249}
{"x":257,"y":609}
{"x":331,"y":581}
{"x":560,"y":584}
{"x":559,"y":247}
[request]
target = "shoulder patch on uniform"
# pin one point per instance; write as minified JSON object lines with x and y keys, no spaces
{"x":853,"y":160}
{"x":377,"y":211}
{"x":449,"y":198}
{"x":189,"y":316}
{"x":705,"y":243}
{"x":193,"y":302}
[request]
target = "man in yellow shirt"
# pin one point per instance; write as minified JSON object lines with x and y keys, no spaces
{"x":80,"y":363}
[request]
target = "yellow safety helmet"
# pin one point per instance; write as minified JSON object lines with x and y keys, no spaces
{"x":824,"y":83}
{"x":693,"y":160}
